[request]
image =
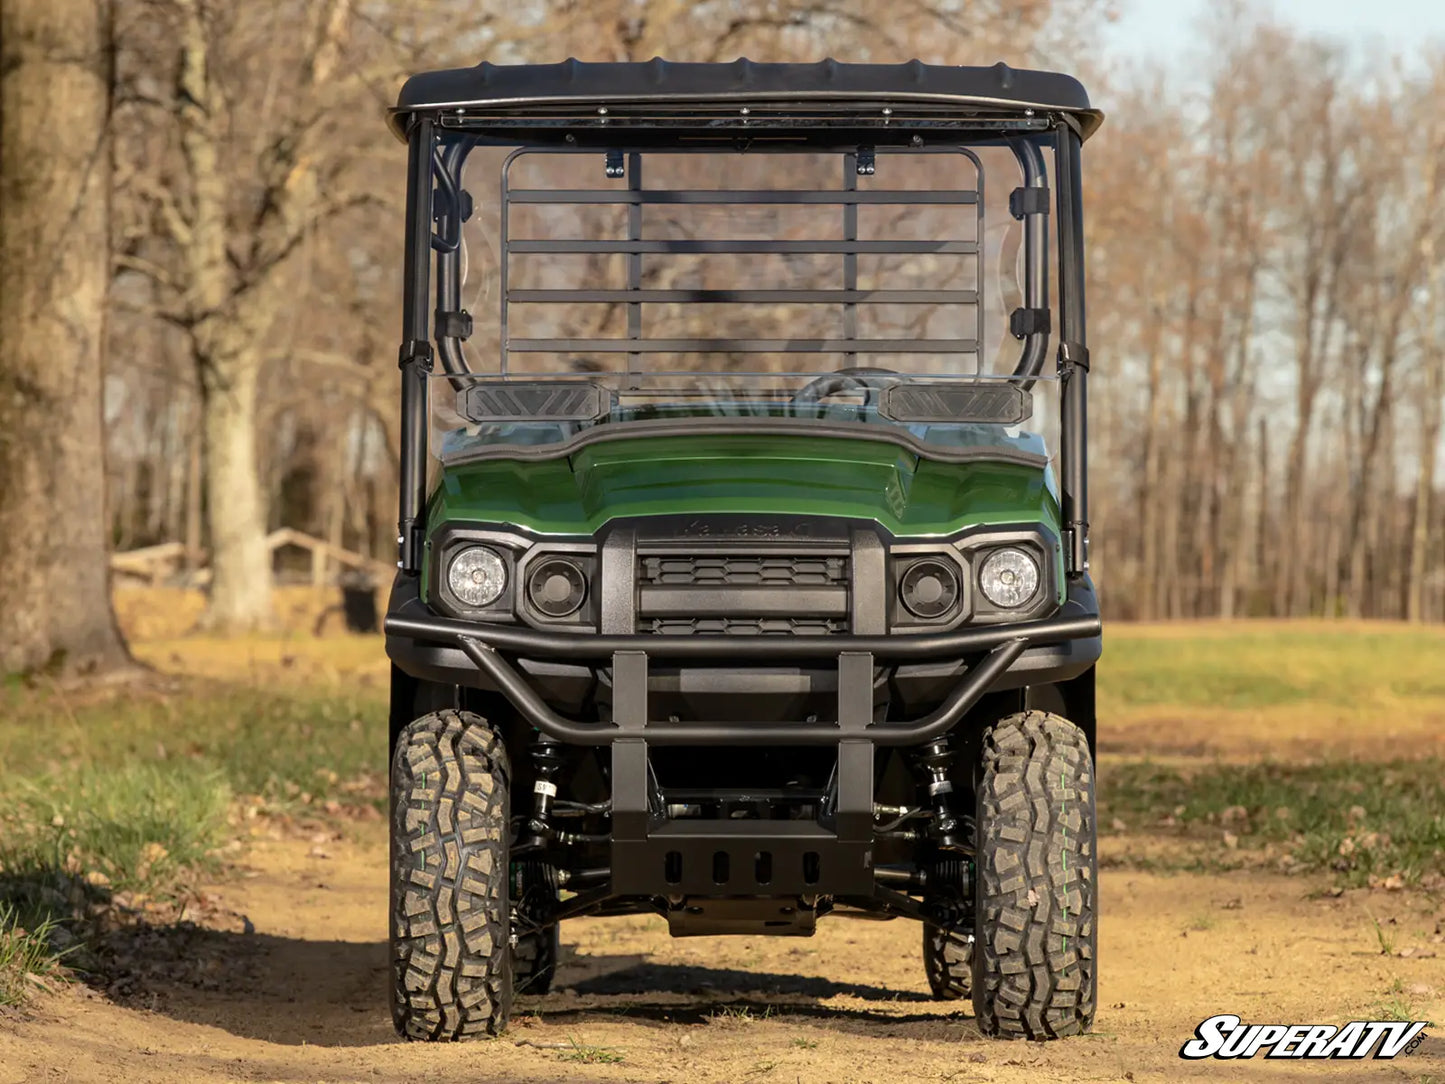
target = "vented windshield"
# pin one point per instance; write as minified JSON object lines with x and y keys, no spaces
{"x":902,"y":288}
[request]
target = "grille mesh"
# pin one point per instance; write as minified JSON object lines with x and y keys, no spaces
{"x":667,"y":570}
{"x":742,"y":626}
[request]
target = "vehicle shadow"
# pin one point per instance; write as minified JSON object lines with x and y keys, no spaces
{"x":334,"y":993}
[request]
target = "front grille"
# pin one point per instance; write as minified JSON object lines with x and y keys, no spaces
{"x":741,"y":626}
{"x":765,"y":570}
{"x":739,"y":591}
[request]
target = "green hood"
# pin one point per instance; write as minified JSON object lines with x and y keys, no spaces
{"x":713,"y":473}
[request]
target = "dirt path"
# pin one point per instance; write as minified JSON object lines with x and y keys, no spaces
{"x":302,"y":998}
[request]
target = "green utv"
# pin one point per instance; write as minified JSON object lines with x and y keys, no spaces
{"x":738,"y":583}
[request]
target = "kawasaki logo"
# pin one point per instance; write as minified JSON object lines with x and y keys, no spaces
{"x":1225,"y":1036}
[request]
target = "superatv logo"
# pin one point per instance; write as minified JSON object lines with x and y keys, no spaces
{"x":1226,"y":1036}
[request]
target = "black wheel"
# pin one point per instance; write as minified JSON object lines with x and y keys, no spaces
{"x":534,"y":960}
{"x":948,"y":961}
{"x":534,"y":940}
{"x":451,"y":960}
{"x":1034,"y":960}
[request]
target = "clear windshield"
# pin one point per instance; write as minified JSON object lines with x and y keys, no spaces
{"x":823,"y":289}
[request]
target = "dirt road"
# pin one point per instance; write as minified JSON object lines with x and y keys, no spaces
{"x":302,"y":997}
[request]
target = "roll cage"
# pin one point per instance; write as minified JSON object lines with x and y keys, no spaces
{"x":625,"y":110}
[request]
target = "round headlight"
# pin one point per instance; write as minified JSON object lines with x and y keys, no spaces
{"x":556,"y":587}
{"x":1009,"y":578}
{"x":477,"y":576}
{"x":929,"y":588}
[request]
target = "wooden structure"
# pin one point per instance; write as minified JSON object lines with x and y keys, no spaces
{"x":163,"y":563}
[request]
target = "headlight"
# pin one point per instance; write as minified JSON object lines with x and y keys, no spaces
{"x":1009,"y":578}
{"x":928,"y":588}
{"x":477,"y":576}
{"x":556,"y":587}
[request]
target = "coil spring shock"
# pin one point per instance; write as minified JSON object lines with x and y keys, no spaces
{"x":932,"y":762}
{"x":546,"y":757}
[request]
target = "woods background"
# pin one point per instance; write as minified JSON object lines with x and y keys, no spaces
{"x":216,"y":207}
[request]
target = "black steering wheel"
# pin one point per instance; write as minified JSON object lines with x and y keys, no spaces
{"x":871,"y":379}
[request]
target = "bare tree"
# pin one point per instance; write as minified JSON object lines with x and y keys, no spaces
{"x":55,"y":86}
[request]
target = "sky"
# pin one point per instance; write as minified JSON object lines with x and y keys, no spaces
{"x":1154,"y":27}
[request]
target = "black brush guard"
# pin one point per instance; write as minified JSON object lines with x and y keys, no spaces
{"x":654,"y":856}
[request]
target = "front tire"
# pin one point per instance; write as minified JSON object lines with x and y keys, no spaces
{"x":451,"y":960}
{"x":1034,"y":955}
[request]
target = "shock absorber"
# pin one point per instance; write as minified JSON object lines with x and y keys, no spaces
{"x":932,"y":763}
{"x":546,"y":757}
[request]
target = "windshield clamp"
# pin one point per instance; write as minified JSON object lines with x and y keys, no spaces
{"x":1026,"y":322}
{"x":415,"y":351}
{"x":1033,"y":200}
{"x":1073,"y":356}
{"x":454,"y":325}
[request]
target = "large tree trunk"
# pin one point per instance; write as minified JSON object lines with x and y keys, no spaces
{"x":55,"y":81}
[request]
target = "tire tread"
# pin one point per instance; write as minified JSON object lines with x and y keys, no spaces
{"x":1034,"y":959}
{"x":451,"y":961}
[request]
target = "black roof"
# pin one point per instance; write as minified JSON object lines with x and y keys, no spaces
{"x":520,"y":86}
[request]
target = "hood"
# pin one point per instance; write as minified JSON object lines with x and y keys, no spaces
{"x":905,"y":492}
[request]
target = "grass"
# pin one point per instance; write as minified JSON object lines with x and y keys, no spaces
{"x":590,"y":1055}
{"x":1386,"y":941}
{"x":1361,"y":820}
{"x":28,"y":957}
{"x":129,"y":797}
{"x":1396,"y":1006}
{"x":1355,"y":667}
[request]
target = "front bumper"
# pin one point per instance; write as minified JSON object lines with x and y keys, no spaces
{"x":972,"y":661}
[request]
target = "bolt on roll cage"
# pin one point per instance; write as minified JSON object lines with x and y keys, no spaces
{"x":432,"y":227}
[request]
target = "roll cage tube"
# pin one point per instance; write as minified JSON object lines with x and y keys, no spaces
{"x":416,"y":354}
{"x":1073,"y":354}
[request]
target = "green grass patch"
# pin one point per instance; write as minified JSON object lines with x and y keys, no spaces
{"x":588,"y":1054}
{"x":1362,"y":821}
{"x":130,"y":796}
{"x":289,"y":746}
{"x":133,"y":826}
{"x":1266,"y":667}
{"x":25,"y":955}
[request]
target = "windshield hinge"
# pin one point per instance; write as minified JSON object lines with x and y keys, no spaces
{"x":1033,"y":200}
{"x":1026,"y":322}
{"x":1076,"y":546}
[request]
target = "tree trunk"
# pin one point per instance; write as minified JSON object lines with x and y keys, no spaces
{"x":240,"y":596}
{"x":1424,"y":491}
{"x":55,"y":85}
